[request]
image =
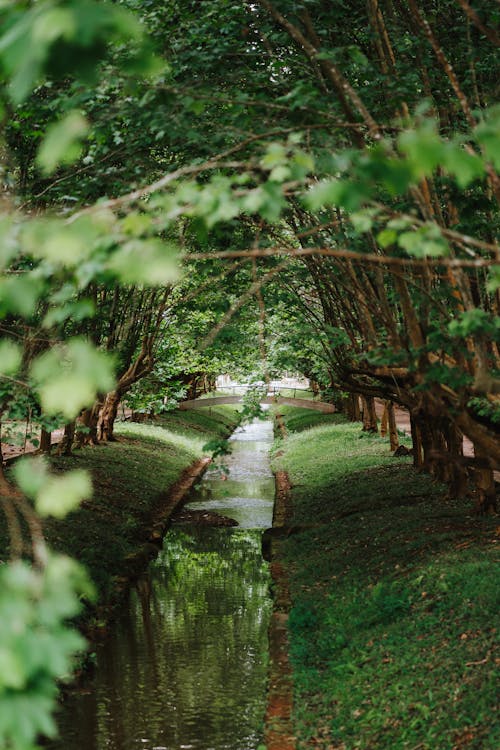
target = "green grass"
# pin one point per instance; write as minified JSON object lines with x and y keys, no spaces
{"x":215,"y":419}
{"x":394,"y":600}
{"x":129,"y":478}
{"x":299,"y":419}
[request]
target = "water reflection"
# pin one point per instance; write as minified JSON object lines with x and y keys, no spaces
{"x":186,"y":664}
{"x":248,"y":493}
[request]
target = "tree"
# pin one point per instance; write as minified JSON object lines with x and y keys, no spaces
{"x":346,"y":154}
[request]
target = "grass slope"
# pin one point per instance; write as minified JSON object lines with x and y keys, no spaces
{"x":129,"y":478}
{"x":394,"y":593}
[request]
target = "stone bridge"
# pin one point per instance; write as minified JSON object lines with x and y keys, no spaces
{"x":304,"y":403}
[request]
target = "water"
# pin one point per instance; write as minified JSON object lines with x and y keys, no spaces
{"x":248,"y":493}
{"x":186,"y":665}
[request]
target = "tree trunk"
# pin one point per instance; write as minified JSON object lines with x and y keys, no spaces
{"x":458,"y":474}
{"x":393,"y":430}
{"x":353,"y":410}
{"x":82,"y":425}
{"x":416,"y":436}
{"x":486,"y":502}
{"x":66,"y":445}
{"x":108,"y":415}
{"x":89,"y":419}
{"x":370,"y":423}
{"x":340,"y":401}
{"x":93,"y":438}
{"x":314,"y":387}
{"x":45,"y":441}
{"x":385,"y":420}
{"x":4,"y":485}
{"x":433,"y":446}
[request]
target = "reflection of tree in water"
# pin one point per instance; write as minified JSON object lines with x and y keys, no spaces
{"x":238,"y":550}
{"x":191,"y":661}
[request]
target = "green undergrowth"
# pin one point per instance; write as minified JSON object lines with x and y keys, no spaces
{"x":131,"y":478}
{"x":395,"y":596}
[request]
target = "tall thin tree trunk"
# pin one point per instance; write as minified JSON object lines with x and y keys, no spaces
{"x":458,"y":473}
{"x":393,"y":429}
{"x":353,"y":410}
{"x":45,"y":441}
{"x":417,"y":443}
{"x":370,"y":422}
{"x":65,"y":447}
{"x":485,"y":486}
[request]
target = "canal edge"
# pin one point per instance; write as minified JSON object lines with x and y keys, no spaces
{"x":278,"y":729}
{"x":136,"y":563}
{"x":168,"y":503}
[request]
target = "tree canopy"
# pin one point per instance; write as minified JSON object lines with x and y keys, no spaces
{"x":196,"y":187}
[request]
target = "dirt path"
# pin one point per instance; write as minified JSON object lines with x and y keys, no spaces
{"x":10,"y":451}
{"x":403,"y":423}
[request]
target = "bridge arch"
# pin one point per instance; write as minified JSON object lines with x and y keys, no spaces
{"x":303,"y":403}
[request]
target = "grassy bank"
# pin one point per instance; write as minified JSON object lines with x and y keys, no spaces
{"x":131,"y":479}
{"x":395,"y":597}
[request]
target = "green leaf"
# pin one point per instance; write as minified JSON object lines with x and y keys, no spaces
{"x":464,"y":166}
{"x":350,"y":194}
{"x":62,"y":144}
{"x":148,"y":261}
{"x":362,"y":221}
{"x":75,"y":311}
{"x":12,"y":673}
{"x":387,"y":237}
{"x":301,"y":164}
{"x":19,"y":295}
{"x":8,"y":244}
{"x":253,"y":200}
{"x":475,"y":322}
{"x":197,"y":107}
{"x":10,"y":358}
{"x":69,"y":376}
{"x":397,"y":175}
{"x":280,"y":173}
{"x":488,"y":135}
{"x":60,"y":495}
{"x":136,"y":224}
{"x":22,"y":60}
{"x":493,"y":282}
{"x":399,"y":223}
{"x":326,"y":193}
{"x":424,"y":149}
{"x":276,"y":155}
{"x":426,"y":241}
{"x":62,"y":244}
{"x":274,"y":202}
{"x":31,"y":474}
{"x":71,"y":40}
{"x":36,"y":645}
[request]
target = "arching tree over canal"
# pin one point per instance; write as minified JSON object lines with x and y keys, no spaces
{"x":351,"y":149}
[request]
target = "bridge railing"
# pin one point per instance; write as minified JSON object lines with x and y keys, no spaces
{"x":240,"y":389}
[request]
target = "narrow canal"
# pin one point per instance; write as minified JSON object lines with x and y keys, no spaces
{"x":186,"y":665}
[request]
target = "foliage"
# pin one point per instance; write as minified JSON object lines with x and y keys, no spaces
{"x":252,"y":408}
{"x":334,"y":164}
{"x":37,"y":645}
